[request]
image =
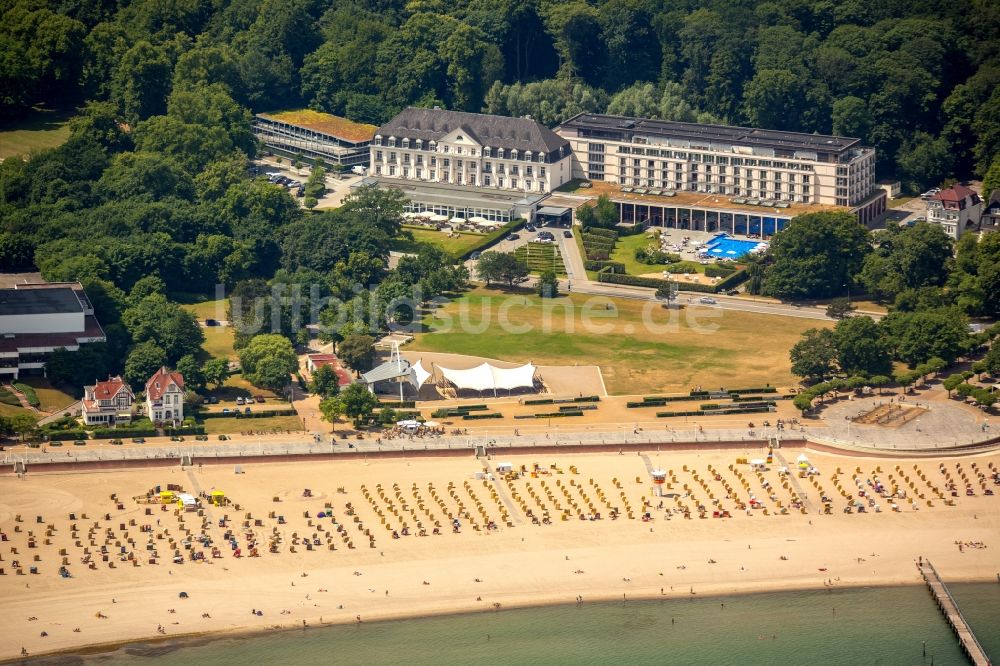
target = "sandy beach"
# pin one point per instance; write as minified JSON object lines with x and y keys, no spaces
{"x":346,"y":564}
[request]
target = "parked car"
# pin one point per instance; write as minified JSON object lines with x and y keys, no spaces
{"x":211,"y":322}
{"x":223,"y":438}
{"x":176,"y":438}
{"x":114,"y":442}
{"x":259,"y":398}
{"x":246,"y":411}
{"x":138,"y":440}
{"x":239,"y":400}
{"x":76,"y":442}
{"x":567,"y":233}
{"x":213,"y":400}
{"x":512,"y":237}
{"x":475,"y":255}
{"x":225,"y":410}
{"x":707,"y":300}
{"x":201,"y":438}
{"x":529,"y":227}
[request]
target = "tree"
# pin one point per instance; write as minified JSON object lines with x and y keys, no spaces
{"x":951,"y":382}
{"x":357,"y":351}
{"x":548,"y":284}
{"x":16,"y":252}
{"x":907,"y":258}
{"x":268,"y":361}
{"x":916,"y":337}
{"x":188,"y":366}
{"x":501,"y":267}
{"x":332,"y":407}
{"x":817,"y":256}
{"x":324,"y":382}
{"x":144,"y":359}
{"x":316,"y":184}
{"x":381,"y":207}
{"x":851,"y":117}
{"x":23,"y":423}
{"x":215,"y":371}
{"x":171,"y":327}
{"x":991,"y":363}
{"x":602,"y":214}
{"x":358,"y":401}
{"x":838,"y":308}
{"x":991,"y":179}
{"x":813,"y":356}
{"x":861,"y":349}
{"x":924,"y":161}
{"x":775,"y":98}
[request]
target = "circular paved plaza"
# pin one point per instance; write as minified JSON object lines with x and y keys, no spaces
{"x":942,"y":423}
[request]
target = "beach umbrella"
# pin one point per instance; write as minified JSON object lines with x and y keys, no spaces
{"x":478,"y":220}
{"x":458,"y":220}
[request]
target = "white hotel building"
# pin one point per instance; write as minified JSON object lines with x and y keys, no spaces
{"x":754,"y":167}
{"x":469,"y":164}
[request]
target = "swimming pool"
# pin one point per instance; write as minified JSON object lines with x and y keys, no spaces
{"x":725,"y":246}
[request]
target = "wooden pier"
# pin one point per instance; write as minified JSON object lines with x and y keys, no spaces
{"x":966,"y":639}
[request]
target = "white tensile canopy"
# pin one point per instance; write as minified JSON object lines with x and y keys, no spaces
{"x":486,"y":377}
{"x":418,"y":375}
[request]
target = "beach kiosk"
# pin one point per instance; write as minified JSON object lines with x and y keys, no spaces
{"x":659,"y":479}
{"x":505,"y":468}
{"x":758,"y":464}
{"x":408,"y":426}
{"x":802,"y":461}
{"x":187,"y":501}
{"x":218,"y":498}
{"x":167,"y":497}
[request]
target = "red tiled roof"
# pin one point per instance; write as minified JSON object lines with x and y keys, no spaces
{"x":106,"y":390}
{"x":954,"y":193}
{"x":316,"y":358}
{"x":320,"y":360}
{"x":160,"y":382}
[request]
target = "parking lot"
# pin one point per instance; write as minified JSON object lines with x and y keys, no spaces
{"x":338,"y":186}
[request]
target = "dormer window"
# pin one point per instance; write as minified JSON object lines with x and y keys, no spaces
{"x":433,"y":145}
{"x":527,"y":156}
{"x":420,"y":144}
{"x":513,"y":154}
{"x":406,"y":143}
{"x":486,"y":152}
{"x":392,"y":142}
{"x":500,"y":153}
{"x":378,"y":140}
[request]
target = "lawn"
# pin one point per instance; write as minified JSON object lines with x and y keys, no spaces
{"x":51,"y":399}
{"x":44,"y":128}
{"x":268,"y":424}
{"x":453,"y":246}
{"x":207,"y":309}
{"x":541,"y":256}
{"x":625,"y":253}
{"x":218,"y":342}
{"x":681,"y":349}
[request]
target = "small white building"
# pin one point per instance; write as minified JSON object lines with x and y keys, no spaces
{"x":165,"y":397}
{"x":954,"y":209}
{"x":107,"y":403}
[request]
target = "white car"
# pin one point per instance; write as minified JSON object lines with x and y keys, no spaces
{"x":707,"y":301}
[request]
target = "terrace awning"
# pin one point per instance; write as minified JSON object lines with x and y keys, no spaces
{"x":489,"y":377}
{"x":552,"y":211}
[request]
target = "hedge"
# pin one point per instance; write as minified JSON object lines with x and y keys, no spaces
{"x":252,"y":415}
{"x":587,"y":398}
{"x":720,"y":412}
{"x":64,"y":435}
{"x":601,"y":264}
{"x":404,"y":416}
{"x":600,"y":231}
{"x":476,"y":417}
{"x":719,"y":271}
{"x":539,"y":401}
{"x":736,"y":279}
{"x":29,"y":393}
{"x":492,"y":238}
{"x":550,"y":415}
{"x":186,"y":430}
{"x":406,"y":404}
{"x":766,"y":389}
{"x":120,"y":433}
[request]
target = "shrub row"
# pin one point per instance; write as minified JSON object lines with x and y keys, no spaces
{"x":252,"y":415}
{"x":462,"y":410}
{"x":604,"y":264}
{"x":406,"y":404}
{"x":64,"y":435}
{"x":122,"y":433}
{"x":538,"y":401}
{"x":719,"y":271}
{"x":185,"y":430}
{"x":598,"y":231}
{"x":747,"y":405}
{"x":29,"y":393}
{"x":477,"y":417}
{"x":718,"y":412}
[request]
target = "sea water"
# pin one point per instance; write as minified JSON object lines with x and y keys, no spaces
{"x":894,"y":625}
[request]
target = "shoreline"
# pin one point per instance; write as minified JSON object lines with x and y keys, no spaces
{"x":123,"y":599}
{"x":192,"y":639}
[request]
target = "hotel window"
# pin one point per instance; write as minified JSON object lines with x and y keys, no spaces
{"x":500,"y":182}
{"x":433,"y":174}
{"x":528,"y":171}
{"x":406,"y":143}
{"x":471,"y":179}
{"x":500,"y":153}
{"x":378,"y":169}
{"x":459,"y":164}
{"x":420,"y":173}
{"x":420,"y":160}
{"x":392,"y":171}
{"x":513,"y":154}
{"x":500,"y":168}
{"x":447,"y":163}
{"x":486,"y":180}
{"x":420,"y":144}
{"x":487,"y":167}
{"x":527,"y":156}
{"x":406,"y":172}
{"x":378,"y":155}
{"x":513,"y":183}
{"x":541,"y":172}
{"x":406,"y":158}
{"x":514,"y":170}
{"x":392,"y":142}
{"x":541,"y":157}
{"x":378,"y":141}
{"x":486,"y":152}
{"x":458,"y":150}
{"x":446,"y":149}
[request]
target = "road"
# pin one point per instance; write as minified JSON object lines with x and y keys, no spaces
{"x":577,"y":282}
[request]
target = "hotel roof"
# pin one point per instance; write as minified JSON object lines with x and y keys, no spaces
{"x":39,"y":301}
{"x":325,"y":123}
{"x":520,"y":134}
{"x":711,"y":134}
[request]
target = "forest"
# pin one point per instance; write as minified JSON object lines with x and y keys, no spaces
{"x":917,"y":79}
